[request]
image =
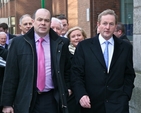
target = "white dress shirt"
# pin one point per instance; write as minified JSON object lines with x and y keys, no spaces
{"x":110,"y":48}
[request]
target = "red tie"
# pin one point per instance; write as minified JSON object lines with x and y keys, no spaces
{"x":41,"y":66}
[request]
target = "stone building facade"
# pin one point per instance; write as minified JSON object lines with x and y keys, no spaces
{"x":79,"y":12}
{"x":135,"y":102}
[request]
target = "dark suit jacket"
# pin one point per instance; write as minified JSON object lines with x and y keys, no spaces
{"x":124,"y":37}
{"x":19,"y":86}
{"x":108,"y":92}
{"x":3,"y":54}
{"x":11,"y":36}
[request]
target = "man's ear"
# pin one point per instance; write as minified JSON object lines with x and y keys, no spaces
{"x":98,"y":24}
{"x":32,"y":21}
{"x":120,"y":32}
{"x":19,"y":26}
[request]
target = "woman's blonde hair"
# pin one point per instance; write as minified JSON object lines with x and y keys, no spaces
{"x":76,"y":28}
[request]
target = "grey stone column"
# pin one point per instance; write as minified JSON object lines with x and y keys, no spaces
{"x":135,"y":103}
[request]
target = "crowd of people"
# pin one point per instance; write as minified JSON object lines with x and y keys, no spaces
{"x":52,"y":68}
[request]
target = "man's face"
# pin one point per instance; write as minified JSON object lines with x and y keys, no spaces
{"x":118,"y":33}
{"x":3,"y":39}
{"x":42,"y":22}
{"x":1,"y":29}
{"x":26,"y":24}
{"x":65,"y":26}
{"x":56,"y":26}
{"x":107,"y":26}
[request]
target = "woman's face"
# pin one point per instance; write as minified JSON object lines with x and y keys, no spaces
{"x":75,"y":37}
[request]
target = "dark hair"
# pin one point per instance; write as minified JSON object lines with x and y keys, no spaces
{"x":4,"y":26}
{"x":62,"y":16}
{"x":121,"y":27}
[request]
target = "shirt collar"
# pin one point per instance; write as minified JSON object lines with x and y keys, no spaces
{"x":46,"y":38}
{"x":102,"y":40}
{"x":2,"y":45}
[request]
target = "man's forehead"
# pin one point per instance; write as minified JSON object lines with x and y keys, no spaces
{"x":27,"y":20}
{"x":3,"y":36}
{"x":42,"y":13}
{"x":1,"y":29}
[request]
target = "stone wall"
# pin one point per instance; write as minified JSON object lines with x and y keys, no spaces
{"x":135,"y":103}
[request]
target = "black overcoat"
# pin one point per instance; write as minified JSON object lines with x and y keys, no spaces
{"x":108,"y":92}
{"x":19,"y":87}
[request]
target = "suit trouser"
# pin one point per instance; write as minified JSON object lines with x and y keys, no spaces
{"x":45,"y":103}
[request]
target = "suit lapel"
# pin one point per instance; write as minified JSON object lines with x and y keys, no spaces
{"x":117,"y":51}
{"x":96,"y":48}
{"x":6,"y":46}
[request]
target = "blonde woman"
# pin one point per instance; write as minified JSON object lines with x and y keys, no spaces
{"x":75,"y":35}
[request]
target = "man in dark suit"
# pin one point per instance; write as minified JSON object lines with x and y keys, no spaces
{"x":25,"y":23}
{"x":103,"y":84}
{"x":22,"y":91}
{"x":120,"y":32}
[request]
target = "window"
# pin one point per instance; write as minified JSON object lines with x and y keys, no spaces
{"x":127,"y":17}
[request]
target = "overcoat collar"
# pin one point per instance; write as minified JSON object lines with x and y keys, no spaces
{"x":54,"y":41}
{"x":53,"y":36}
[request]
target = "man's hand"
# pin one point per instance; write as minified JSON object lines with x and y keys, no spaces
{"x":85,"y":102}
{"x":7,"y":109}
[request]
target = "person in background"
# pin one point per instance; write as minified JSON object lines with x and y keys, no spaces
{"x":97,"y":30}
{"x":4,"y":28}
{"x":65,"y":23}
{"x":120,"y":31}
{"x":3,"y":47}
{"x":3,"y":38}
{"x":25,"y":23}
{"x":75,"y":35}
{"x":56,"y":25}
{"x":37,"y":70}
{"x":102,"y":74}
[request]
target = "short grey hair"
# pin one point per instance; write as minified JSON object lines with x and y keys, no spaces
{"x":57,"y":20}
{"x":108,"y":12}
{"x":3,"y":33}
{"x":25,"y":15}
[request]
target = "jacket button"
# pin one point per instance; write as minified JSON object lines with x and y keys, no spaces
{"x":59,"y":51}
